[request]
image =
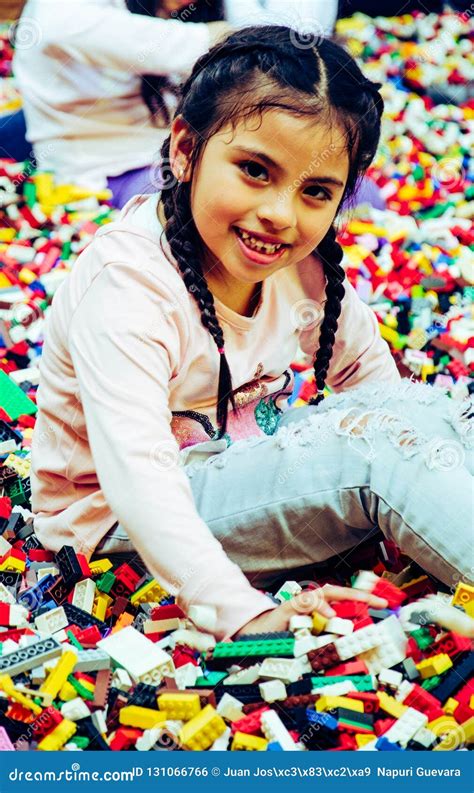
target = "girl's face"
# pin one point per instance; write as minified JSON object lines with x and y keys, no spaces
{"x":263,"y":196}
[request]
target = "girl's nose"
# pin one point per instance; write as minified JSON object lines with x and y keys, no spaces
{"x":279,"y":213}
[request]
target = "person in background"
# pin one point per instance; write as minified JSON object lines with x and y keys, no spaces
{"x":98,"y":80}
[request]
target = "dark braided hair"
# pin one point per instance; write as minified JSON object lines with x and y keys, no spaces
{"x":154,"y":85}
{"x":253,"y":70}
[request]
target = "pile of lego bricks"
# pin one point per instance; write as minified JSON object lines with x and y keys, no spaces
{"x":98,"y":656}
{"x":414,"y":261}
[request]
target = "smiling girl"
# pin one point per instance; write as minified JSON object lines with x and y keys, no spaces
{"x":163,"y":423}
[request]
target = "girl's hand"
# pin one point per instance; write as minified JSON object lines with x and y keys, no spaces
{"x":305,"y":603}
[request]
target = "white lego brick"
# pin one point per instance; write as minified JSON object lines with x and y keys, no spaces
{"x":336,"y":689}
{"x":44,"y":571}
{"x":230,"y":708}
{"x":146,"y":741}
{"x":144,"y":661}
{"x":298,"y":621}
{"x":290,"y":587}
{"x":425,"y":736}
{"x":286,"y":669}
{"x":9,"y":646}
{"x":272,"y":690}
{"x":18,"y":615}
{"x":339,"y":626}
{"x":52,"y":621}
{"x":243,"y":676}
{"x":390,"y":651}
{"x":403,"y":690}
{"x":161,"y":626}
{"x":406,"y":727}
{"x":304,"y":645}
{"x":368,"y":747}
{"x":5,"y":546}
{"x":388,"y":677}
{"x":122,"y":680}
{"x":274,"y":730}
{"x":221,"y":743}
{"x":358,"y":642}
{"x":6,"y":447}
{"x":98,"y":719}
{"x":6,"y":596}
{"x":92,"y":661}
{"x":84,"y":594}
{"x":365,"y":580}
{"x":194,"y":639}
{"x":186,"y":675}
{"x":75,"y":709}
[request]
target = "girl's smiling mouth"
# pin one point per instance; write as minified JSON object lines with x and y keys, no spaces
{"x":260,"y":249}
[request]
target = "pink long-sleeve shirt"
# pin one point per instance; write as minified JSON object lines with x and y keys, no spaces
{"x":126,"y":352}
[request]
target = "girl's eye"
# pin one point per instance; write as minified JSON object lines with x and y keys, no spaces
{"x":319,"y":192}
{"x":253,"y":170}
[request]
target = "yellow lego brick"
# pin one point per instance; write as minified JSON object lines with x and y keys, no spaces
{"x":468,"y":729}
{"x":248,"y":743}
{"x":390,"y":705}
{"x":44,"y":183}
{"x":452,"y":734}
{"x":26,"y":276}
{"x":180,"y":706}
{"x":13,"y":564}
{"x":6,"y":235}
{"x":59,"y":674}
{"x":391,"y":335}
{"x":464,"y":596}
{"x":450,"y":706}
{"x":435,"y":665}
{"x":319,"y":623}
{"x":471,"y":702}
{"x":201,"y":732}
{"x":58,"y":737}
{"x":328,"y":703}
{"x":7,"y":685}
{"x":144,"y":718}
{"x":21,"y":465}
{"x":100,"y":566}
{"x":101,"y":604}
{"x":150,"y":593}
{"x":361,"y":227}
{"x":67,"y":692}
{"x":362,"y":739}
{"x":5,"y":282}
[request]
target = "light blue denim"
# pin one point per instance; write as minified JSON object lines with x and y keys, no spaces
{"x":398,"y":458}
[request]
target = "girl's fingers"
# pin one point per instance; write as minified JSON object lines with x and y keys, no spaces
{"x":309,"y":601}
{"x":344,"y":593}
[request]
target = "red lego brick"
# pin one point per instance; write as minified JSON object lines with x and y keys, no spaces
{"x":390,"y":592}
{"x":167,"y":612}
{"x":250,"y":724}
{"x":124,"y":738}
{"x":382,"y":725}
{"x":350,"y":609}
{"x":350,"y":668}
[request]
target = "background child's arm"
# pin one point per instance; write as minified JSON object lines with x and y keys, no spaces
{"x":116,"y":39}
{"x":360,"y":355}
{"x":127,"y":339}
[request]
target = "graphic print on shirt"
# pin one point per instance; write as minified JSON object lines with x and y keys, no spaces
{"x":256,"y":416}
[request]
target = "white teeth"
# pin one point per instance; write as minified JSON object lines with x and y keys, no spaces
{"x":258,"y":245}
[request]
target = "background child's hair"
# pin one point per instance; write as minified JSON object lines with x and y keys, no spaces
{"x":253,"y":70}
{"x":153,"y":85}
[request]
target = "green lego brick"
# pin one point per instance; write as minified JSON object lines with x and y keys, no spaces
{"x":16,"y":492}
{"x":81,"y":690}
{"x":423,"y":638}
{"x":361,"y":682}
{"x":267,"y":648}
{"x":80,"y":740}
{"x":431,"y":682}
{"x":212,"y":679}
{"x":105,"y":582}
{"x":13,"y":400}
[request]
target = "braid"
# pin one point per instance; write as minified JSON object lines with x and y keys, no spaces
{"x":181,"y":234}
{"x":330,"y":253}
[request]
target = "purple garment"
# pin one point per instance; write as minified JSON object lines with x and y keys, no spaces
{"x":140,"y":181}
{"x":366,"y":193}
{"x":148,"y":180}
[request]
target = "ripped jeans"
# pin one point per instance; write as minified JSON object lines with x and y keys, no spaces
{"x":395,"y":458}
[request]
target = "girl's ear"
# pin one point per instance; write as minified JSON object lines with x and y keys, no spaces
{"x":181,"y":146}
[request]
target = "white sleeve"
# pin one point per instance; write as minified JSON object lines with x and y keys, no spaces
{"x":113,"y":38}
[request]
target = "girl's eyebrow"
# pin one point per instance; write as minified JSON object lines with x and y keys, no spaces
{"x":268,"y":160}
